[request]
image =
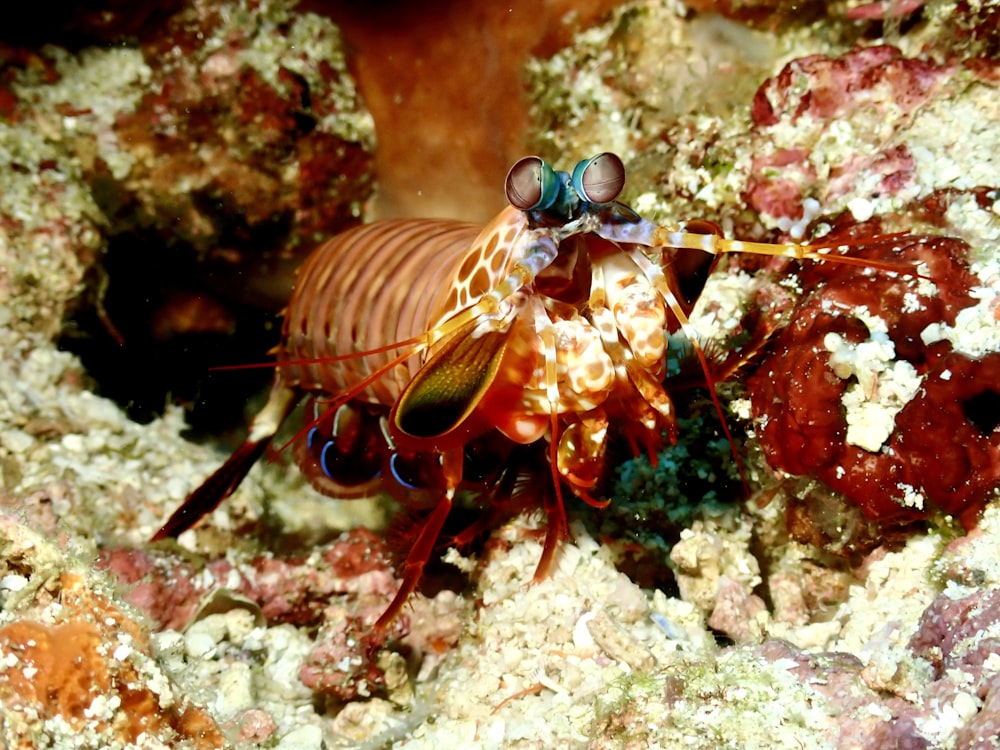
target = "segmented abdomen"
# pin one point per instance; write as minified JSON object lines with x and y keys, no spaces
{"x":366,"y":288}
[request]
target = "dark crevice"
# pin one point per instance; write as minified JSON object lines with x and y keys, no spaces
{"x":983,"y":410}
{"x":151,"y":325}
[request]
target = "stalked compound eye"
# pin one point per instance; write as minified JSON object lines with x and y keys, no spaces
{"x":531,"y":184}
{"x":600,"y":178}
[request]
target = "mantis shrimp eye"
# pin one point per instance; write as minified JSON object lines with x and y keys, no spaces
{"x":600,"y":178}
{"x":531,"y":184}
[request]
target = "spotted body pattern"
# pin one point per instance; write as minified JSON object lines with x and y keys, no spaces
{"x":432,"y":350}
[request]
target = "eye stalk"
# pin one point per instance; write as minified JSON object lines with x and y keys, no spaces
{"x":600,"y":178}
{"x":532,"y":184}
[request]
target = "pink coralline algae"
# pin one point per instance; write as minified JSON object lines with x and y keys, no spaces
{"x":827,"y":88}
{"x":939,"y":448}
{"x":291,"y":590}
{"x":952,"y":695}
{"x":340,"y":590}
{"x":959,"y":638}
{"x":959,"y":633}
{"x":812,"y":94}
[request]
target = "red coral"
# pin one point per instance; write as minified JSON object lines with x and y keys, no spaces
{"x":935,"y":448}
{"x":956,"y":456}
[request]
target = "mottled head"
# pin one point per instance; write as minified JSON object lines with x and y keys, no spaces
{"x":539,"y":196}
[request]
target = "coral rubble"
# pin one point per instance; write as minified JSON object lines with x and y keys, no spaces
{"x":78,"y":669}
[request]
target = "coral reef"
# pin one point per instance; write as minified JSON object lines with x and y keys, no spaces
{"x":225,"y":146}
{"x":231,"y":131}
{"x":826,"y":144}
{"x":785,"y":618}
